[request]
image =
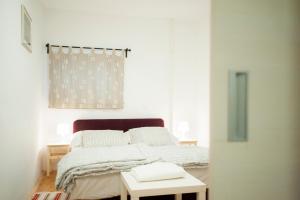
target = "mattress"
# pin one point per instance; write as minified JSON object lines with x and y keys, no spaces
{"x":108,"y":185}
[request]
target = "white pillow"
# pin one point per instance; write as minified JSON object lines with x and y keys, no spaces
{"x":154,"y":136}
{"x":98,"y":138}
{"x":157,"y":171}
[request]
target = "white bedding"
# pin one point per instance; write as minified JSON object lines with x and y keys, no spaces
{"x":186,"y":156}
{"x":97,"y":161}
{"x":91,"y":173}
{"x":99,"y":138}
{"x":154,"y":136}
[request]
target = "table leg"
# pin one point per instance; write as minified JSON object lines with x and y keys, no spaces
{"x":200,"y":195}
{"x":123,"y":192}
{"x":48,"y":166}
{"x":178,"y":196}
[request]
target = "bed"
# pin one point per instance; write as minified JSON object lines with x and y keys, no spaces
{"x":102,"y":186}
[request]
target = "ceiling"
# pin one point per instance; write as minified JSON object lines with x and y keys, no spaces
{"x":140,"y":8}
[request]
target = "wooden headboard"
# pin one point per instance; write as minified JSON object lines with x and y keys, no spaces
{"x":115,"y":124}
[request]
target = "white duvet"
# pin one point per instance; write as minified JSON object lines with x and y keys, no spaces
{"x":186,"y":156}
{"x":104,"y":160}
{"x":96,"y":161}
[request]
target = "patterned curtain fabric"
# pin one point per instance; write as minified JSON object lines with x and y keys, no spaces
{"x":86,"y":80}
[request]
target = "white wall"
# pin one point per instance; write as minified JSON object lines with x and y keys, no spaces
{"x":152,"y":80}
{"x":183,"y":9}
{"x":261,"y":37}
{"x":190,"y":94}
{"x":20,"y":86}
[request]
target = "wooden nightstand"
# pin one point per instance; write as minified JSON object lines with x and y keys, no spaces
{"x":188,"y":142}
{"x":55,"y":152}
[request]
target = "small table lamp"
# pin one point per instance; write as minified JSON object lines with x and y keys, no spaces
{"x":63,"y":130}
{"x":183,"y":128}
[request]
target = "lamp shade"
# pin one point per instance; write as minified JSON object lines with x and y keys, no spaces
{"x":64,"y":131}
{"x":183,"y":127}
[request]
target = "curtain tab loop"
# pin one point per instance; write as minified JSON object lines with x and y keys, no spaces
{"x":50,"y":49}
{"x":70,"y":50}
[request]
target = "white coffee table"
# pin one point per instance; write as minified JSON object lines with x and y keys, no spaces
{"x":188,"y":184}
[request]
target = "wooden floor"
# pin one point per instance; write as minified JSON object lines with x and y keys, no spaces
{"x":47,"y":183}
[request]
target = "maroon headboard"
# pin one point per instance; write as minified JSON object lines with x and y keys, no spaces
{"x":115,"y":124}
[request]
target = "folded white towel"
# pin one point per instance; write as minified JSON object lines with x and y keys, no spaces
{"x":157,"y":171}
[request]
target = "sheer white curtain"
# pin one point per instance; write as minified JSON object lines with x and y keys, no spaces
{"x":86,"y":80}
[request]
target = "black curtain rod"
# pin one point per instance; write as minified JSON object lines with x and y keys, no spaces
{"x":76,"y":47}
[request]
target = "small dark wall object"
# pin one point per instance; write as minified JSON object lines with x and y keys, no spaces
{"x":26,"y":29}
